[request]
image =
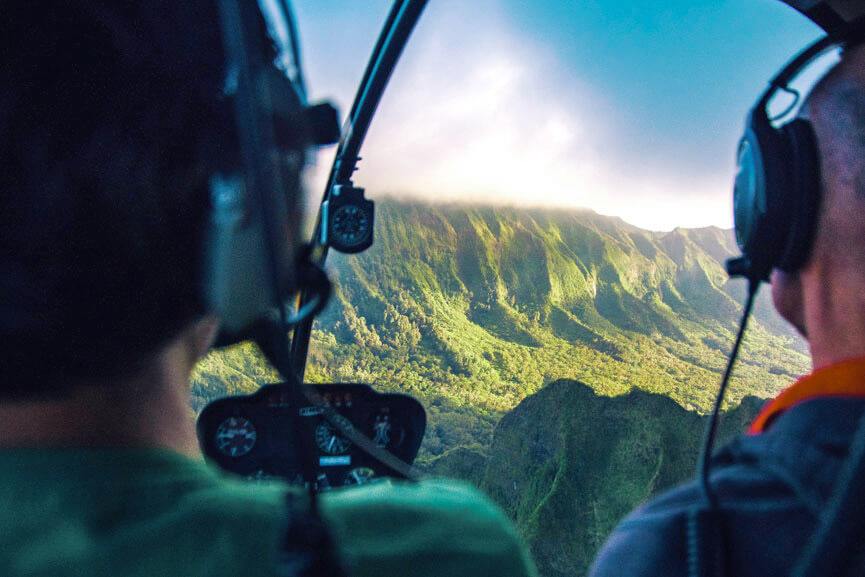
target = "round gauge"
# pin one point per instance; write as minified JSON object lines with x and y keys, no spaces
{"x":329,"y":440}
{"x":359,"y":476}
{"x":384,"y":433}
{"x":350,"y":225}
{"x":235,"y":436}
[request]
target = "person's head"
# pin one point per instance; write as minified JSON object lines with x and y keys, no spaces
{"x":825,"y":300}
{"x":112,"y":122}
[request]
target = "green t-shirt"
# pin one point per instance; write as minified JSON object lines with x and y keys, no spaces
{"x":147,"y":512}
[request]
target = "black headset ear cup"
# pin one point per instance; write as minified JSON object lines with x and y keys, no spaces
{"x":802,"y":195}
{"x":760,"y":210}
{"x":777,"y":194}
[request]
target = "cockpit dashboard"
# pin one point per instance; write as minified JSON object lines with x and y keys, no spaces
{"x":254,"y":436}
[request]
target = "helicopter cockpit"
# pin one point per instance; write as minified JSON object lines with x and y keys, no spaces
{"x":344,"y":225}
{"x":484,"y":323}
{"x":334,"y":434}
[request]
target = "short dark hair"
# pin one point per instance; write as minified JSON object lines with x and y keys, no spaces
{"x":111,"y":123}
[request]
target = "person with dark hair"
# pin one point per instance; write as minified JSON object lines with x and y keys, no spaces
{"x":113,"y":119}
{"x":773,"y":485}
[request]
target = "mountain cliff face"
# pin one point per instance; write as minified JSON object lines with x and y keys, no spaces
{"x":568,"y":464}
{"x":474,"y":308}
{"x":484,"y":305}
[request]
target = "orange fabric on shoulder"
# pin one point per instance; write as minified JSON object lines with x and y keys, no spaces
{"x":844,"y":379}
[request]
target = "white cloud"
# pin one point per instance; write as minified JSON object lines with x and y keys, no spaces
{"x":478,"y":112}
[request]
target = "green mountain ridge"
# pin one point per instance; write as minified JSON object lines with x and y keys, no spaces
{"x":570,"y":294}
{"x":472,"y":308}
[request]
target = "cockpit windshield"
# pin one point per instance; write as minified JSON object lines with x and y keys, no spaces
{"x":552,"y":184}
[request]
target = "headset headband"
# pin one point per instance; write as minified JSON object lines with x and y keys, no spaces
{"x":852,"y":35}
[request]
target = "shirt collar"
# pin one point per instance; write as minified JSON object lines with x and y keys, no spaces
{"x":844,"y":379}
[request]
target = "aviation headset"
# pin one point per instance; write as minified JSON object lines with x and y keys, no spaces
{"x":777,"y":193}
{"x":255,"y":258}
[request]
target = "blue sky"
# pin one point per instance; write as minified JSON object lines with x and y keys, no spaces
{"x":628,"y":107}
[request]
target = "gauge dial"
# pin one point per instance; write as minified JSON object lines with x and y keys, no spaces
{"x":385,"y":434}
{"x":382,"y":430}
{"x":329,"y":440}
{"x":235,"y":436}
{"x":350,"y":225}
{"x":359,"y":476}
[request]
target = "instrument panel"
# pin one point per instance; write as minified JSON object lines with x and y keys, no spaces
{"x":254,"y":435}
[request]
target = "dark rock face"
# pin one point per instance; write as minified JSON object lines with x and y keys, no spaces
{"x":568,"y":464}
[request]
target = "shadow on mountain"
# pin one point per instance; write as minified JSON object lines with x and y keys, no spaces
{"x":499,"y":322}
{"x":568,"y":464}
{"x":565,"y":327}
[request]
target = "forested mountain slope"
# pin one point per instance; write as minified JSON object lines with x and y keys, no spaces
{"x":473,"y":308}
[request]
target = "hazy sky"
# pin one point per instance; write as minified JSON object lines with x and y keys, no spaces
{"x":628,"y":107}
